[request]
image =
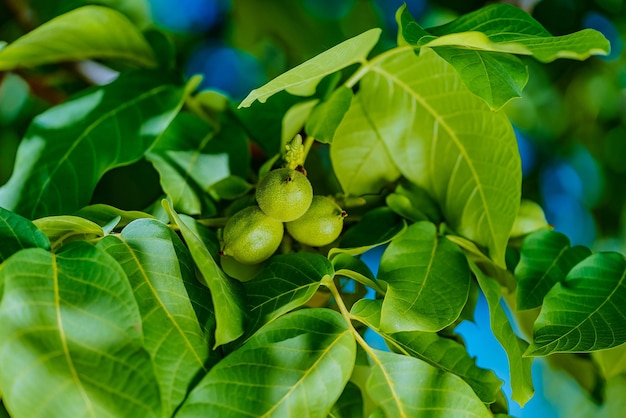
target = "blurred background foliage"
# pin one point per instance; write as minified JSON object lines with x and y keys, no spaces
{"x":571,"y":122}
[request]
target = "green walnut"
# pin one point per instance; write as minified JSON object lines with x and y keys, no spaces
{"x":284,"y":194}
{"x":250,"y":236}
{"x":320,"y":225}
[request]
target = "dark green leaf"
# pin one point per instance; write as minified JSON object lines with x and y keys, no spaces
{"x":70,"y":146}
{"x":17,"y":233}
{"x":585,"y":312}
{"x":160,"y":271}
{"x":408,"y":387}
{"x":377,"y":227}
{"x":348,"y":265}
{"x":296,"y":366}
{"x":286,"y":282}
{"x":226,"y":293}
{"x":70,"y":337}
{"x":303,"y":79}
{"x":412,"y":202}
{"x":443,"y":353}
{"x":83,"y":33}
{"x":520,"y":367}
{"x":546,"y":258}
{"x":349,"y":404}
{"x":427,"y":279}
{"x":326,"y":117}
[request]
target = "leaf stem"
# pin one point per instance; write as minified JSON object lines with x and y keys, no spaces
{"x":366,"y":65}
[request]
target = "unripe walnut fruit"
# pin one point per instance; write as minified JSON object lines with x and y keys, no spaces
{"x":320,"y":225}
{"x":250,"y":236}
{"x":284,"y":194}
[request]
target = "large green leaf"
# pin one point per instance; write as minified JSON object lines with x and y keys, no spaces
{"x":70,"y":337}
{"x":83,"y":33}
{"x":191,"y":157}
{"x":360,"y":157}
{"x":427,"y":279}
{"x":160,"y":270}
{"x":303,"y":79}
{"x":226,"y":293}
{"x":405,"y":387}
{"x":443,"y":353}
{"x":519,"y":366}
{"x":70,"y":146}
{"x":286,"y":282}
{"x":327,"y":116}
{"x":585,"y":312}
{"x":17,"y":233}
{"x":296,"y":366}
{"x":546,"y":258}
{"x":506,"y":28}
{"x":446,"y":140}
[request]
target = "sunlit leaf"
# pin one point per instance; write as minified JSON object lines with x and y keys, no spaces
{"x":160,"y":270}
{"x":17,"y":233}
{"x":70,"y":146}
{"x":286,"y":282}
{"x":303,"y":79}
{"x":405,"y":386}
{"x":530,"y":218}
{"x":226,"y":293}
{"x":520,"y":367}
{"x":446,"y":140}
{"x":295,"y":118}
{"x":546,"y":258}
{"x":443,"y":353}
{"x":103,"y":214}
{"x":295,"y":366}
{"x":64,"y":228}
{"x":427,"y":279}
{"x":70,"y":337}
{"x":506,"y":28}
{"x":585,"y":312}
{"x":86,"y":32}
{"x":361,"y":160}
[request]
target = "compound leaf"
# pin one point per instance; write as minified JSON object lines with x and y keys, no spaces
{"x":296,"y":366}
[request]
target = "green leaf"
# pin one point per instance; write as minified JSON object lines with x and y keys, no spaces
{"x":427,"y":279}
{"x":349,"y":404}
{"x":585,"y":312}
{"x":103,"y":214}
{"x":377,"y":227}
{"x":546,"y":258}
{"x":361,"y":160}
{"x":530,"y":218}
{"x":226,"y":293}
{"x":70,"y":146}
{"x":303,"y":79}
{"x":408,"y":387}
{"x":63,"y":229}
{"x":17,"y":233}
{"x":350,"y":266}
{"x":295,"y":366}
{"x":70,"y":337}
{"x":326,"y":116}
{"x":612,"y":362}
{"x":412,"y":202}
{"x":443,"y":353}
{"x":84,"y":33}
{"x":286,"y":282}
{"x":159,"y":268}
{"x":447,"y":141}
{"x":191,"y":157}
{"x":294,"y":120}
{"x":505,"y":28}
{"x":520,"y":367}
